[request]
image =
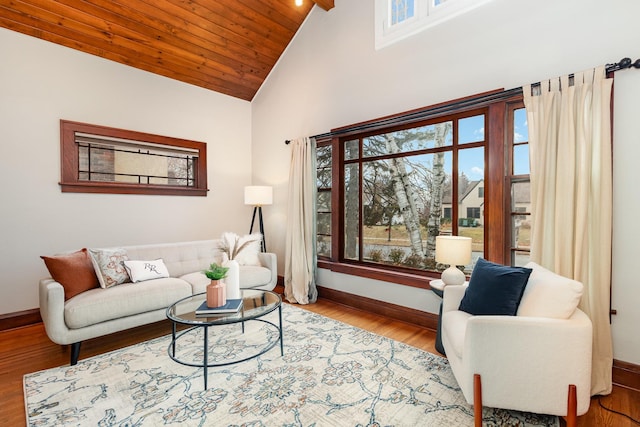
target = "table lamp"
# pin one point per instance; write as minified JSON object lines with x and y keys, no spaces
{"x":453,"y":250}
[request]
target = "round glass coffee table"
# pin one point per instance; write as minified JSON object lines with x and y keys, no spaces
{"x":255,"y":305}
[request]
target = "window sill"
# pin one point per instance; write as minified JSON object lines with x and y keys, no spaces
{"x":121,"y":188}
{"x":416,"y":280}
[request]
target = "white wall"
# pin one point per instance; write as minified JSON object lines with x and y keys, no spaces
{"x":626,"y":220}
{"x":332,"y":76}
{"x":41,"y":83}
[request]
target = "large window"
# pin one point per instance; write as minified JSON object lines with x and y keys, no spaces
{"x":98,"y":159}
{"x":385,"y":189}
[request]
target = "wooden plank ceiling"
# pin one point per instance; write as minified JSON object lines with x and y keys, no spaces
{"x":228,"y":46}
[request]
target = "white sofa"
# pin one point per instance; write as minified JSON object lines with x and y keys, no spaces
{"x":101,"y":311}
{"x":528,"y":361}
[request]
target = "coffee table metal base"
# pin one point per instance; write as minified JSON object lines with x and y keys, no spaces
{"x":205,"y":365}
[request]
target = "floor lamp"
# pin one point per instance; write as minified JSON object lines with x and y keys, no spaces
{"x":258,"y":196}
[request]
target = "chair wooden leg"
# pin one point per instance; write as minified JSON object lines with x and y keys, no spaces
{"x":477,"y":400}
{"x":572,"y":407}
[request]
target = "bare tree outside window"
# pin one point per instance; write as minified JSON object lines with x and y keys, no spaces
{"x":394,"y":193}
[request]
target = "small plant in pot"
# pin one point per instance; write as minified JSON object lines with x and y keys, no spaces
{"x":216,"y":272}
{"x":216,"y":290}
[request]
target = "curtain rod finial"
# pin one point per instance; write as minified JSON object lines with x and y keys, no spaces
{"x":287,"y":141}
{"x":625,"y":63}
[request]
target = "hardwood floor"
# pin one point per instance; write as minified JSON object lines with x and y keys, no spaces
{"x":27,"y":349}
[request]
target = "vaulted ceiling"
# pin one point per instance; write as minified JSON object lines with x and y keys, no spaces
{"x":228,"y":46}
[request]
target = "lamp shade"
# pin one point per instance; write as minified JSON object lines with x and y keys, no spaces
{"x":258,"y":195}
{"x":453,"y":250}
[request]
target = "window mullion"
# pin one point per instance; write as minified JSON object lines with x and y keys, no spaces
{"x":360,"y":205}
{"x":455,"y":197}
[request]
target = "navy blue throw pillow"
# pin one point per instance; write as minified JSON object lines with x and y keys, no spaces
{"x":494,"y":289}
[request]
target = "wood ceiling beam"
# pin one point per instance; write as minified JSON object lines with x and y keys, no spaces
{"x":325,"y":4}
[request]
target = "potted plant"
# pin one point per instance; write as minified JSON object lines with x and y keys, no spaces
{"x":216,"y":290}
{"x":216,"y":272}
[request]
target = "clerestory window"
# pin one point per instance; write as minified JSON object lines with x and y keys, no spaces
{"x":98,"y":159}
{"x":386,"y":189}
{"x":398,"y":19}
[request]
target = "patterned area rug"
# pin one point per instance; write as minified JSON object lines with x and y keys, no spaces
{"x":331,"y":374}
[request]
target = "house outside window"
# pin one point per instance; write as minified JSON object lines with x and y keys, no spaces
{"x":446,"y":214}
{"x":473,"y":213}
{"x":391,"y":191}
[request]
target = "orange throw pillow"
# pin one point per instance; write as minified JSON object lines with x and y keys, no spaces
{"x":73,"y":271}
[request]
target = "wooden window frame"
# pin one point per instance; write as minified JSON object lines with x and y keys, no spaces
{"x":321,"y":143}
{"x":511,"y":179}
{"x":496,"y":189}
{"x":69,"y":162}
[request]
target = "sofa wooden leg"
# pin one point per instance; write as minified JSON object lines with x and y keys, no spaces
{"x":75,"y":353}
{"x":572,"y":407}
{"x":477,"y":400}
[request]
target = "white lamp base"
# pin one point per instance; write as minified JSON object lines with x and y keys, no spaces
{"x":453,"y":276}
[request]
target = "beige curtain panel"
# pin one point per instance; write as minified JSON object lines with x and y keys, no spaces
{"x":571,"y":195}
{"x":300,"y":256}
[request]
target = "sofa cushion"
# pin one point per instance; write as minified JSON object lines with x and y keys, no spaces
{"x":455,"y":329}
{"x":109,"y":267}
{"x":100,"y":305}
{"x":252,"y":276}
{"x":197,"y":280}
{"x":494,"y":289}
{"x":549,"y":295}
{"x":73,"y":271}
{"x":139,"y":271}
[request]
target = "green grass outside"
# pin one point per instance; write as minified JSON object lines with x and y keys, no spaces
{"x":379,"y":235}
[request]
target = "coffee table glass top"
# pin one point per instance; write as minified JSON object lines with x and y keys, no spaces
{"x":255,"y":303}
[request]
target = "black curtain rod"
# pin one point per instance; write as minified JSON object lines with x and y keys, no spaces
{"x":622,"y":65}
{"x":476,"y":102}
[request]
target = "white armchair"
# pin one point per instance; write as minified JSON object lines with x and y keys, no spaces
{"x":526,"y":362}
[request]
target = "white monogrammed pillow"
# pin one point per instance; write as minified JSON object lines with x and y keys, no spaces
{"x":140,"y":271}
